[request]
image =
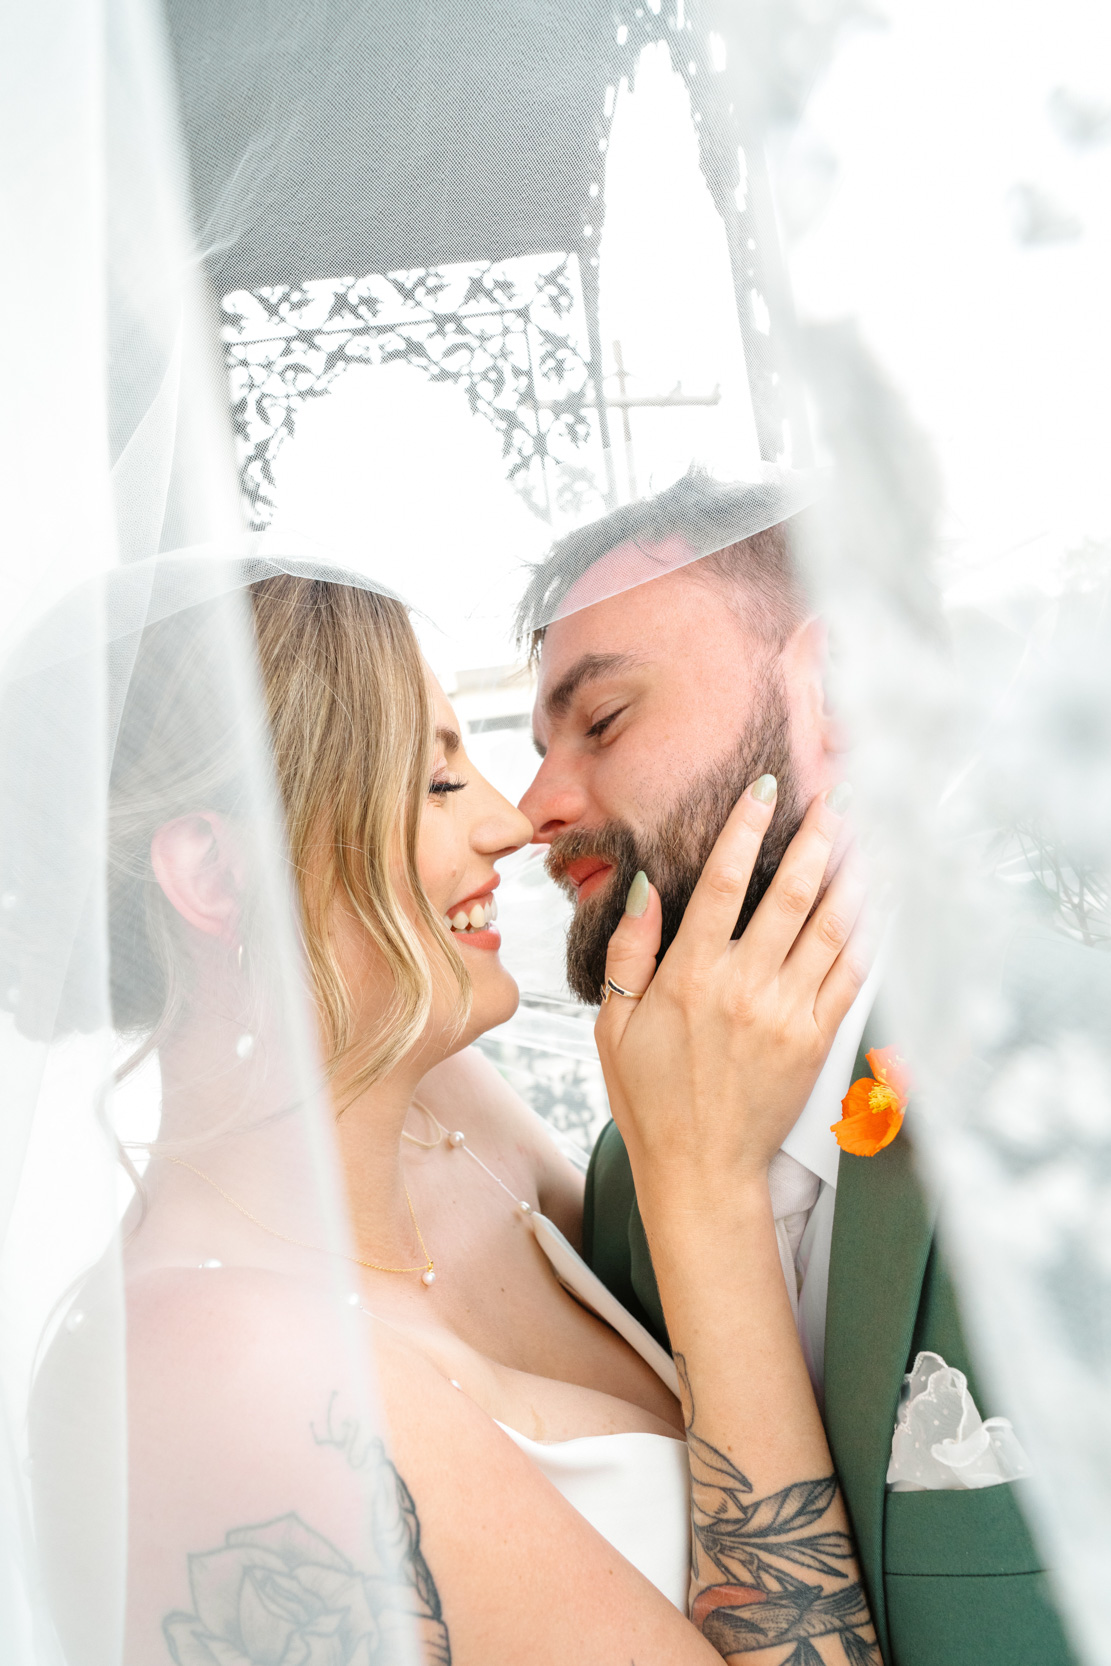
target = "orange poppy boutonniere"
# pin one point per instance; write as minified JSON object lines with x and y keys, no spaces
{"x":872,"y":1110}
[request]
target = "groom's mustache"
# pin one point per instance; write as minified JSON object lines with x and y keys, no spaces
{"x":572,"y":854}
{"x":673,"y":852}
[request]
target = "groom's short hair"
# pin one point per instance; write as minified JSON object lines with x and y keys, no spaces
{"x":757,"y":572}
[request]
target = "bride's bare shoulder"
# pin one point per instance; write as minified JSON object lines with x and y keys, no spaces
{"x":248,"y":1361}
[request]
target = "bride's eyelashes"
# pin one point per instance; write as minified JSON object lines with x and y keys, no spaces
{"x":445,"y":784}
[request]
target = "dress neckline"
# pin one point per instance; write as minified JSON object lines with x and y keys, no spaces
{"x":577,"y":1440}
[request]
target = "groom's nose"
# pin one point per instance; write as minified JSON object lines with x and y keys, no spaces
{"x":554,"y":802}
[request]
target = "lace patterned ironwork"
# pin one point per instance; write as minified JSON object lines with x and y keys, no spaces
{"x":520,"y":336}
{"x":507,"y":334}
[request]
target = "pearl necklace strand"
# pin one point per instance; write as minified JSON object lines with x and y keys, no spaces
{"x":456,"y":1140}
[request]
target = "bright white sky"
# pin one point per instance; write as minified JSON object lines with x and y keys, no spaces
{"x":1003,"y":351}
{"x":913,"y":143}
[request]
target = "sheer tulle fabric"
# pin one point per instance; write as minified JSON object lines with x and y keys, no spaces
{"x":552,"y":252}
{"x":129,"y":694}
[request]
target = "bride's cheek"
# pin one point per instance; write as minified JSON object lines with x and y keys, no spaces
{"x":437,"y":860}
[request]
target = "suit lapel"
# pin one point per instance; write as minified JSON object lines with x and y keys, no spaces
{"x":881,"y":1242}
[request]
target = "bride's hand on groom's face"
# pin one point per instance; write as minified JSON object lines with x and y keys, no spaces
{"x":708,"y":1072}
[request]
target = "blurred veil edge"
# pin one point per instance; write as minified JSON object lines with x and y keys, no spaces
{"x":118,"y":446}
{"x":984,"y":783}
{"x":135,"y":701}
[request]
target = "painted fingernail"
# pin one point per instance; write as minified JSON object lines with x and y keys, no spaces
{"x":838,"y":799}
{"x":765,"y":789}
{"x":637,"y":900}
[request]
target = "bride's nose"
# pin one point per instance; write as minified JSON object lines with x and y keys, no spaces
{"x":500,"y":828}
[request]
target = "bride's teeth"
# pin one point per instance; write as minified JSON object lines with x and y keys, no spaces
{"x":474,"y":918}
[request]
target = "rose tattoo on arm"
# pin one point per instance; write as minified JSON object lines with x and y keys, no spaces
{"x":749,"y":1555}
{"x":280,"y":1592}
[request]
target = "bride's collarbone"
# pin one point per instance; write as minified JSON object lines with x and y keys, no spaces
{"x":520,"y":1375}
{"x":541,"y":1408}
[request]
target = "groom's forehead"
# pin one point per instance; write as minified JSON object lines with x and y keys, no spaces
{"x":616,"y":612}
{"x":623,"y":568}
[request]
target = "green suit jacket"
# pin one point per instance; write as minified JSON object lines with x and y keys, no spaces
{"x":954,"y":1578}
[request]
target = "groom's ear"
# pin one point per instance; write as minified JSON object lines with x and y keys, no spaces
{"x":805,"y":664}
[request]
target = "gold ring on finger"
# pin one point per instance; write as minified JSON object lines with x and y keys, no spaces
{"x":611,"y":988}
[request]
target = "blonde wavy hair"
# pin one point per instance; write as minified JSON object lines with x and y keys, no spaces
{"x":351,"y":724}
{"x":350,"y":738}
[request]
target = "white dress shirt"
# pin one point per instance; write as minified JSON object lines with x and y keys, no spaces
{"x":803,"y":1183}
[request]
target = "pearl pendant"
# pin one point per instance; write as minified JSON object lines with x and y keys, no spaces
{"x":428,"y":1276}
{"x":456,"y":1140}
{"x":526,"y":1208}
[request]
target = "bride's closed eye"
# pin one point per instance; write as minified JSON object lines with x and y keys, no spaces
{"x":441,"y":784}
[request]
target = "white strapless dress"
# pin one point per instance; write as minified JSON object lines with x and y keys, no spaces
{"x":634,"y":1489}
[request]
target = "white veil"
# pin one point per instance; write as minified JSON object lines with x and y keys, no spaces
{"x":130,"y":690}
{"x":540,"y":259}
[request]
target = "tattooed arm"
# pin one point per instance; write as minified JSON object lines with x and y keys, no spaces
{"x":706,"y":1076}
{"x":279,"y":1590}
{"x":773,"y":1570}
{"x":772,"y":1561}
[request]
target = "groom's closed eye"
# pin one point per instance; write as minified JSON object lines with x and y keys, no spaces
{"x":598,"y":729}
{"x":588,"y":669}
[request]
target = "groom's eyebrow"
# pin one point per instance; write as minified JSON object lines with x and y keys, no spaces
{"x":587,"y":669}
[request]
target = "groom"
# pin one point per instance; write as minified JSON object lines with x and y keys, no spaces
{"x":669,"y":679}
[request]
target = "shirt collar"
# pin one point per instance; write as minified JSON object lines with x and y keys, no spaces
{"x":811,"y":1141}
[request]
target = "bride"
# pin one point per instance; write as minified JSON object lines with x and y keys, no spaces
{"x":542,"y":1476}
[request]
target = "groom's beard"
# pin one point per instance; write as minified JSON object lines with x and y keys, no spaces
{"x":674,"y":852}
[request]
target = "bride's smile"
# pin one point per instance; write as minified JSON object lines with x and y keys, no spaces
{"x":466,"y":827}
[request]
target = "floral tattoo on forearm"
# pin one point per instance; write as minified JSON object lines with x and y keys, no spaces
{"x":280,"y":1592}
{"x":747,"y":1554}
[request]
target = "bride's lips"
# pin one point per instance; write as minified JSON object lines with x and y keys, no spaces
{"x":588,"y":874}
{"x":485,"y":939}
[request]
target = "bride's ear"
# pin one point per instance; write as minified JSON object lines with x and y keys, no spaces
{"x":198,"y":864}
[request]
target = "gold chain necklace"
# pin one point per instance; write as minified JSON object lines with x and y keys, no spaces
{"x":427,"y":1272}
